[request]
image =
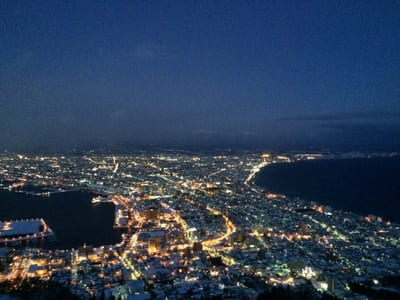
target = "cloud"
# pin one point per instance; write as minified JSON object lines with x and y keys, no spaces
{"x":145,"y":52}
{"x":249,"y":133}
{"x":18,"y":64}
{"x":224,"y":134}
{"x":359,"y":134}
{"x":365,"y":128}
{"x":118,"y":115}
{"x":206,"y":132}
{"x":150,"y":51}
{"x":343,"y":116}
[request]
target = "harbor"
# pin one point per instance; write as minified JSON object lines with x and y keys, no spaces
{"x":12,"y":232}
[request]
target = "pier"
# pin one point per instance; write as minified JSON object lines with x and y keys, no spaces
{"x":24,"y":230}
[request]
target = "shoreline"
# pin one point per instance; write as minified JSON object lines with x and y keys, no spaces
{"x":62,"y":217}
{"x":331,"y":199}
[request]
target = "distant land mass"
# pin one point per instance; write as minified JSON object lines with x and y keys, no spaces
{"x":361,"y":185}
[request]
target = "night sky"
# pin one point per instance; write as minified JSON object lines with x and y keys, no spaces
{"x":273,"y":74}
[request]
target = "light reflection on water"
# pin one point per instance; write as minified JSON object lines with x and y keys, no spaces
{"x":72,"y":216}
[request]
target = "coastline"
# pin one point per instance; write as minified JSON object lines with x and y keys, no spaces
{"x":71,"y":215}
{"x":306,"y":179}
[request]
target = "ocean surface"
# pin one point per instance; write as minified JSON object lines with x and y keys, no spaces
{"x":361,"y":185}
{"x":71,"y":215}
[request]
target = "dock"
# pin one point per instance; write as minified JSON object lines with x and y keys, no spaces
{"x":24,"y":230}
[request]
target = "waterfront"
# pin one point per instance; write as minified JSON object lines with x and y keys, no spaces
{"x":71,"y":215}
{"x":197,"y":221}
{"x":361,"y":185}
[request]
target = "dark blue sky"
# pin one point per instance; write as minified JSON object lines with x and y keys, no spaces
{"x":202,"y":73}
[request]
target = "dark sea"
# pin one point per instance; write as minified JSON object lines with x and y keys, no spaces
{"x":361,"y":185}
{"x":71,"y":215}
